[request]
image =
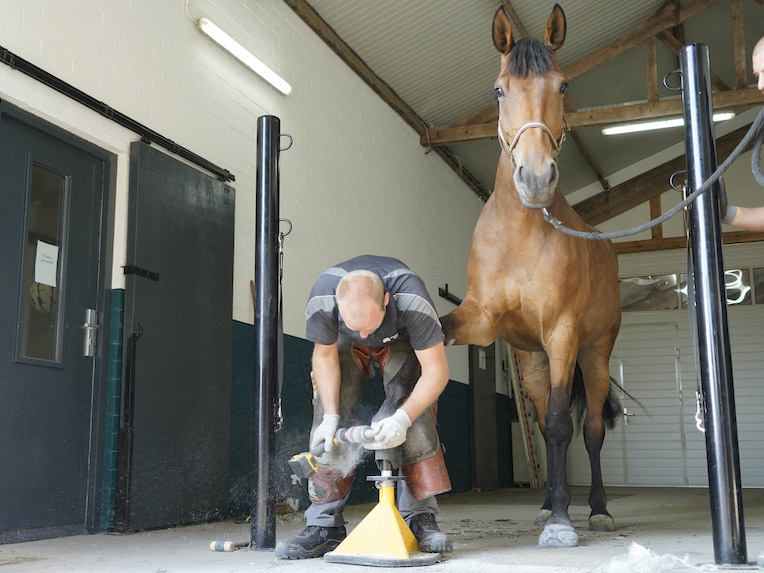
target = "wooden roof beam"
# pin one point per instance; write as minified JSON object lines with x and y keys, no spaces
{"x":738,"y":44}
{"x":644,"y":187}
{"x":514,"y":17}
{"x":674,"y":44}
{"x":598,"y":117}
{"x":667,"y":16}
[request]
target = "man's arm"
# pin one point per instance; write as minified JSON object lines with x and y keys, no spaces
{"x":751,"y":218}
{"x":326,"y":372}
{"x":391,"y":432}
{"x":432,"y":382}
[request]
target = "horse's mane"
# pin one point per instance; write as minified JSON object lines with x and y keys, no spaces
{"x":529,"y":56}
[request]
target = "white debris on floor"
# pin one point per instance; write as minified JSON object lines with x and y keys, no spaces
{"x":643,"y":560}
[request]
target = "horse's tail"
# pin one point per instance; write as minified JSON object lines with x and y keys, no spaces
{"x":611,"y":410}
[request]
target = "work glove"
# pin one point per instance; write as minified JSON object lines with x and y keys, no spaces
{"x":325,"y":432}
{"x":389,"y":432}
{"x":729,"y":216}
{"x":728,"y":212}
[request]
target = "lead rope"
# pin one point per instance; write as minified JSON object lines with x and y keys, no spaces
{"x":755,"y":134}
{"x":700,"y":409}
{"x":279,"y":418}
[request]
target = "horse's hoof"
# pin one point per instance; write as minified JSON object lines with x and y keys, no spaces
{"x":542,"y":516}
{"x":558,"y":535}
{"x":602,"y":522}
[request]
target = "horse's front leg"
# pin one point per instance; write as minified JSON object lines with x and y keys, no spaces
{"x":551,"y":397}
{"x":558,"y":531}
{"x":468,"y":324}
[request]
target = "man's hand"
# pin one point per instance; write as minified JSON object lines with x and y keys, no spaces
{"x":389,"y":432}
{"x":325,"y":432}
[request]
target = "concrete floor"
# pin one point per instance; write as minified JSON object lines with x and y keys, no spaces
{"x":492,"y":532}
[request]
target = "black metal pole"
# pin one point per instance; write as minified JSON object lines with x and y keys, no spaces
{"x":711,"y":313}
{"x":263,"y":518}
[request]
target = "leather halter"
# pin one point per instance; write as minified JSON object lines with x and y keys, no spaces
{"x":509,"y":148}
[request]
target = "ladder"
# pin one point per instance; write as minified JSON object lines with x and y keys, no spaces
{"x":523,"y":405}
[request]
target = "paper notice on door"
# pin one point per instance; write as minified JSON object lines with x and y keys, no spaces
{"x":46,"y":264}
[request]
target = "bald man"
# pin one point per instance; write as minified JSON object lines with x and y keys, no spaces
{"x":366,"y":313}
{"x":751,"y":218}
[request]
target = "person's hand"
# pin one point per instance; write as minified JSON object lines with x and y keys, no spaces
{"x":389,"y":432}
{"x":325,"y":432}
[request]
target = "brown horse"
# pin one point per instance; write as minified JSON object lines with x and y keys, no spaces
{"x":553,"y":297}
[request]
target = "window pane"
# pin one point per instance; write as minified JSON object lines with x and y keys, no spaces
{"x":39,"y":317}
{"x":758,"y":279}
{"x":652,"y":292}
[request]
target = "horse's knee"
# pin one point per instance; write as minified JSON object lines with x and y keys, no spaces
{"x":559,"y":424}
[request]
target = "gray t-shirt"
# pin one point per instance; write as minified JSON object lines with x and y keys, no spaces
{"x":410,"y":312}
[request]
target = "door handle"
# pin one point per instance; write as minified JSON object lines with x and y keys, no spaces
{"x":90,"y":327}
{"x":626,"y":415}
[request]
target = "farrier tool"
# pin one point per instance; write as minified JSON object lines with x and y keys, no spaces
{"x":305,"y":464}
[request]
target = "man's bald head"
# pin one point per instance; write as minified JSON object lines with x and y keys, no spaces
{"x":361,"y":300}
{"x":757,"y":61}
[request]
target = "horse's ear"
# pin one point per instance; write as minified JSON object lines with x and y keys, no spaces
{"x":502,"y":31}
{"x":554,"y":35}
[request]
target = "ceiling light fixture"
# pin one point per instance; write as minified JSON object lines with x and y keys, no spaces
{"x":662,"y":124}
{"x":243,"y":55}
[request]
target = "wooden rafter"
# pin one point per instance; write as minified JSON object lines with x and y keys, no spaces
{"x":598,"y":117}
{"x":668,"y":15}
{"x":663,"y":18}
{"x":738,"y":44}
{"x":651,"y":61}
{"x":590,"y":161}
{"x":655,"y":212}
{"x":675,"y":44}
{"x":514,"y":17}
{"x":644,"y":187}
{"x":663,"y":244}
{"x":388,"y":95}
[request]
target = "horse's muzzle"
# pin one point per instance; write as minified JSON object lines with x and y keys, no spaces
{"x":536,"y":186}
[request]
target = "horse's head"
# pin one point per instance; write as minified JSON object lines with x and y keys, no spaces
{"x":529,"y":92}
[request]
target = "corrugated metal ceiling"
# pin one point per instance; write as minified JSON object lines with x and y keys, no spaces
{"x":438,"y":56}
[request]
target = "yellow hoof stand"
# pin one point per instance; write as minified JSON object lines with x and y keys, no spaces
{"x":382,"y":539}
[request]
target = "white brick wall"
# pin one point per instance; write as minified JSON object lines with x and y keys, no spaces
{"x":356,"y":180}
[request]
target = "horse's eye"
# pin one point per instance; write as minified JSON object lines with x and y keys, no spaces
{"x":563,"y":87}
{"x":498,"y":92}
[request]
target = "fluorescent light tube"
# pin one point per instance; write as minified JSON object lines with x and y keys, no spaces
{"x":243,"y":55}
{"x":662,"y":124}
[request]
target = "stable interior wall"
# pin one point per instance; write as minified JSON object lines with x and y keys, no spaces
{"x":355,"y":181}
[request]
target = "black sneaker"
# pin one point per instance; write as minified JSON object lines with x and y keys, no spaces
{"x":429,"y":536}
{"x":314,"y":541}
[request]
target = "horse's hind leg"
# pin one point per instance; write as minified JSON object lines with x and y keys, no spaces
{"x":597,"y":383}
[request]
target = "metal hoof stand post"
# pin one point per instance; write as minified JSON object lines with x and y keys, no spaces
{"x":710,"y":309}
{"x":263,"y":524}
